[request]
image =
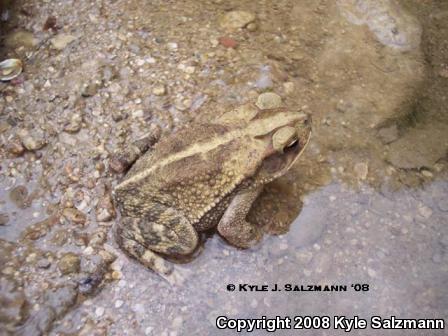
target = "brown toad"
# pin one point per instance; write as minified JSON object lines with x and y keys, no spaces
{"x":203,"y":176}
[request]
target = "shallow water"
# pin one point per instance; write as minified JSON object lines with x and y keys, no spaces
{"x":365,"y":205}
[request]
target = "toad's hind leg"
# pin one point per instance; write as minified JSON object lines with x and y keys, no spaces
{"x":163,"y":230}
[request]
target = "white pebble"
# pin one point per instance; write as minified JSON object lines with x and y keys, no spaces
{"x":99,"y":311}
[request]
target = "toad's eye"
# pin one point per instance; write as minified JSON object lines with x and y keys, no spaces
{"x":293,"y":143}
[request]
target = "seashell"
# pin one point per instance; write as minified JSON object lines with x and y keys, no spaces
{"x":10,"y":69}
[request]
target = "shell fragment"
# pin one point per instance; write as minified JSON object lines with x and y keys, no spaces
{"x":10,"y":69}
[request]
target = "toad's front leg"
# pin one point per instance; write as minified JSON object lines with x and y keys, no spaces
{"x":233,"y":225}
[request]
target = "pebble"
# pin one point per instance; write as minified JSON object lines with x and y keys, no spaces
{"x":99,"y":311}
{"x":269,"y":100}
{"x":252,"y":27}
{"x":60,"y":41}
{"x":236,"y":19}
{"x":361,"y":170}
{"x":190,"y":69}
{"x":88,"y":250}
{"x":74,"y":124}
{"x":89,"y":90}
{"x":138,"y":114}
{"x":228,"y":42}
{"x":98,"y":237}
{"x":19,"y":196}
{"x":32,"y":140}
{"x":118,"y":115}
{"x":172,"y":45}
{"x":4,"y":219}
{"x":427,"y":173}
{"x":425,"y":211}
{"x":159,"y":90}
{"x":43,"y":263}
{"x":105,"y":210}
{"x":118,"y":303}
{"x":289,"y":87}
{"x":371,"y":273}
{"x":69,"y":263}
{"x":74,"y":215}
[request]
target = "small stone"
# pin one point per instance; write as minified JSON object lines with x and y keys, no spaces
{"x":88,"y":250}
{"x":74,"y":215}
{"x":107,"y":256}
{"x":269,"y":100}
{"x":69,"y":263}
{"x":172,"y":45}
{"x":19,"y":196}
{"x":228,"y":42}
{"x":361,"y":170}
{"x":43,"y":263}
{"x":236,"y":19}
{"x":427,"y":173}
{"x":177,"y":322}
{"x":98,"y":237}
{"x":99,"y":311}
{"x":289,"y":87}
{"x":74,"y":124}
{"x":118,"y":303}
{"x":4,"y":219}
{"x":105,"y":210}
{"x":73,"y":173}
{"x":32,"y":140}
{"x":118,"y":115}
{"x":159,"y":90}
{"x":116,"y":275}
{"x":425,"y":211}
{"x":89,"y":90}
{"x":371,"y":273}
{"x":15,"y":147}
{"x":60,"y":41}
{"x":252,"y":27}
{"x":138,"y":114}
{"x":190,"y":69}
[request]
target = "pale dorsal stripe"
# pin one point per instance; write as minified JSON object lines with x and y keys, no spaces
{"x":254,"y":128}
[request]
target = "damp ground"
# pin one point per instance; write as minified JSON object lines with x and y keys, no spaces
{"x":366,"y":204}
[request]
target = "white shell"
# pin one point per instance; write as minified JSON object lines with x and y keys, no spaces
{"x":10,"y":69}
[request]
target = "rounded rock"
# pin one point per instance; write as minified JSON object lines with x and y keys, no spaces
{"x":236,"y":19}
{"x":69,"y":263}
{"x":269,"y":100}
